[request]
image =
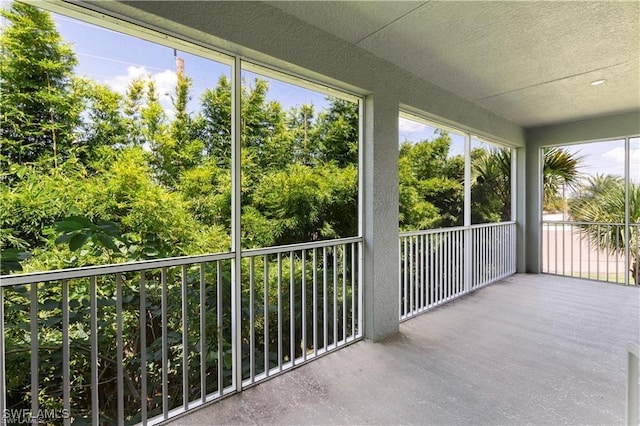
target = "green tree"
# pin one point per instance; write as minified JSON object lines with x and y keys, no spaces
{"x":39,"y":109}
{"x":176,"y":148}
{"x":560,"y":169}
{"x":601,"y":200}
{"x":491,"y":185}
{"x":105,"y":130}
{"x":337,"y":133}
{"x":431,"y":187}
{"x":214,"y":123}
{"x":302,"y":125}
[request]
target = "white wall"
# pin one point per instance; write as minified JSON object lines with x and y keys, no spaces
{"x":610,"y":127}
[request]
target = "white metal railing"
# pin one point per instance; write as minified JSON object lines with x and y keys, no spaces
{"x":142,"y":342}
{"x":493,"y":253}
{"x":439,"y":265}
{"x":304,"y":300}
{"x":601,"y":251}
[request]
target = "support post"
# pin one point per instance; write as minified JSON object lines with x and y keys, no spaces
{"x":380,"y":195}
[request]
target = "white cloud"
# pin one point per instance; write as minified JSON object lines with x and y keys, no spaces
{"x":614,"y":162}
{"x":165,"y":83}
{"x":616,"y":154}
{"x":408,"y":126}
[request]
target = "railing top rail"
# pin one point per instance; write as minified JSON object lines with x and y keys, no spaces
{"x":569,"y":222}
{"x":453,"y":229}
{"x":299,"y":246}
{"x":91,"y":271}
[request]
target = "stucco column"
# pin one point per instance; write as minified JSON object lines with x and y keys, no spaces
{"x":380,"y":217}
{"x":521,"y":210}
{"x":533,"y":209}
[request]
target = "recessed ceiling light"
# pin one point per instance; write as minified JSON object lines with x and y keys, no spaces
{"x":598,"y":82}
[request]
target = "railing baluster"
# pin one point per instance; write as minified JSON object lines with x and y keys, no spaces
{"x":617,"y":263}
{"x":344,"y":293}
{"x":314,"y":266}
{"x":400,"y":278}
{"x":588,"y":256}
{"x":423,"y":270}
{"x":419,"y":273}
{"x":460,"y":261}
{"x":279,"y":311}
{"x":34,"y":348}
{"x":448,"y":267}
{"x":579,"y":257}
{"x":353,"y":290}
{"x":608,"y":255}
{"x":360,"y":284}
{"x":120,"y":348}
{"x":598,"y":241}
{"x":265,"y":283}
{"x":303,"y":295}
{"x":406,"y":277}
{"x":252,"y":320}
{"x":143,"y":348}
{"x":325,"y":278}
{"x":95,"y":409}
{"x":431,"y":272}
{"x":411,"y":277}
{"x":292,"y":314}
{"x":165,"y":343}
{"x":185,"y":341}
{"x":203,"y":335}
{"x":66,"y":372}
{"x":3,"y":376}
{"x":219,"y":310}
{"x":334,"y":320}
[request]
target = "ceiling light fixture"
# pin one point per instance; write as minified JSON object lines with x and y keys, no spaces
{"x":598,"y":82}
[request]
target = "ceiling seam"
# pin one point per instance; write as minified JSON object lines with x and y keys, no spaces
{"x":551,"y":81}
{"x":391,"y":22}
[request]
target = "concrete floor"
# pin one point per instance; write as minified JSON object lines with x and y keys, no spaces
{"x":533,"y":349}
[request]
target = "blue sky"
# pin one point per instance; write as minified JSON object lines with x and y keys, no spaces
{"x":412,"y":131}
{"x":597,"y":158}
{"x":608,"y":158}
{"x":116,"y":59}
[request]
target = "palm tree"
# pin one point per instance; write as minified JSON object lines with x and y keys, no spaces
{"x":560,"y":169}
{"x":491,"y":185}
{"x":491,"y":176}
{"x":601,"y":199}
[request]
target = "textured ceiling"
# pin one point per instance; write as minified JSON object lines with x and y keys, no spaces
{"x":530,"y":62}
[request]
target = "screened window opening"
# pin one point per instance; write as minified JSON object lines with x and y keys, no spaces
{"x":431,"y":175}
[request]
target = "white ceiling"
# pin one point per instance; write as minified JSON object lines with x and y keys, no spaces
{"x":530,"y":62}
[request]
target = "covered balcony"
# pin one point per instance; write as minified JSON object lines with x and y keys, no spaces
{"x":470,"y":298}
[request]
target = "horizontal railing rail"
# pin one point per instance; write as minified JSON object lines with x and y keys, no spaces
{"x":299,"y":246}
{"x":439,"y":265}
{"x":92,"y":271}
{"x":600,"y":251}
{"x":141,"y":342}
